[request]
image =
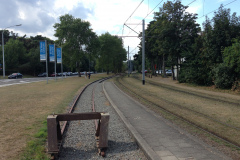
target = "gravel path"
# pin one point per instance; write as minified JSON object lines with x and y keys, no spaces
{"x":79,"y":140}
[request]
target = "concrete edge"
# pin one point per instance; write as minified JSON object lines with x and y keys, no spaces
{"x":140,"y":141}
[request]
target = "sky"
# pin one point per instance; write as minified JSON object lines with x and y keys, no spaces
{"x":38,"y":16}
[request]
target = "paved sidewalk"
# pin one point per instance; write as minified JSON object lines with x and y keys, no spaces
{"x":158,"y":138}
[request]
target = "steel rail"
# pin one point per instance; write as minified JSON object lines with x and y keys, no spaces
{"x":93,"y":105}
{"x":191,"y":93}
{"x":184,"y":119}
{"x":63,"y":128}
{"x":225,"y":124}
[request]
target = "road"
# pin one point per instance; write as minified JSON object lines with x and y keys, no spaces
{"x":10,"y":82}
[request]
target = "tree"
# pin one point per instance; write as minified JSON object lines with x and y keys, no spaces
{"x":175,"y":33}
{"x":15,"y":54}
{"x":111,"y":53}
{"x":231,"y":57}
{"x":77,"y":39}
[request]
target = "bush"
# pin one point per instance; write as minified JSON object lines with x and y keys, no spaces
{"x":195,"y":74}
{"x":223,"y":76}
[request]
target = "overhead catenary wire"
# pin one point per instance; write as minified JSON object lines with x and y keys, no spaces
{"x":147,"y":15}
{"x":134,"y":11}
{"x":133,"y":29}
{"x":191,"y":2}
{"x":157,"y":23}
{"x":216,"y":9}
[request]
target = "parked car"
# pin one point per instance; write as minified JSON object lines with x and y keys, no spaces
{"x":69,"y":73}
{"x":75,"y":73}
{"x":145,"y":71}
{"x":83,"y":73}
{"x":15,"y":76}
{"x":42,"y":75}
{"x":53,"y":75}
{"x":169,"y":72}
{"x":159,"y":72}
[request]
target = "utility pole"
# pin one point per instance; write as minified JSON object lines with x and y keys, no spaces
{"x":46,"y":60}
{"x":143,"y":52}
{"x":128,"y":61}
{"x":55,"y":58}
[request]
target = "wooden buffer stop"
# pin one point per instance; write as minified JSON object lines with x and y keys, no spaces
{"x":55,"y":133}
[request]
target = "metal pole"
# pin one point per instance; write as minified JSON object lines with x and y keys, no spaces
{"x":3,"y":48}
{"x":143,"y":53}
{"x":130,"y":65}
{"x":46,"y":60}
{"x":3,"y":54}
{"x":55,"y":57}
{"x":62,"y":64}
{"x":128,"y":61}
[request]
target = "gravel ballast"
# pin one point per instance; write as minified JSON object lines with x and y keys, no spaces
{"x":79,"y":140}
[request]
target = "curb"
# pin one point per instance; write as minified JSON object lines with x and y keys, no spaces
{"x":149,"y":153}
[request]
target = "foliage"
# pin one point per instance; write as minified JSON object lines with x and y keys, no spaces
{"x":14,"y":54}
{"x":202,"y":64}
{"x":111,"y":53}
{"x":78,"y":40}
{"x":224,"y":76}
{"x":231,"y":56}
{"x":170,"y":35}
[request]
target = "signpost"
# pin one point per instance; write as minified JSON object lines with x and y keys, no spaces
{"x":43,"y":55}
{"x":51,"y":53}
{"x":53,"y":57}
{"x":59,"y":58}
{"x":42,"y":51}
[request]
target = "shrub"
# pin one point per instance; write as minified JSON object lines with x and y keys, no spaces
{"x":223,"y":76}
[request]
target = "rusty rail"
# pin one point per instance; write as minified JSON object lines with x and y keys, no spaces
{"x":60,"y":131}
{"x":55,"y":136}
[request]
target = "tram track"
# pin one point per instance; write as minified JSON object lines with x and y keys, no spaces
{"x":79,"y":138}
{"x":77,"y":98}
{"x":191,"y":110}
{"x":175,"y":112}
{"x":72,"y":107}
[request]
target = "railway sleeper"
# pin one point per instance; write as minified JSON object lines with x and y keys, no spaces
{"x":55,"y":135}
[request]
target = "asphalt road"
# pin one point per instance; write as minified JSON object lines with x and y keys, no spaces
{"x":10,"y":82}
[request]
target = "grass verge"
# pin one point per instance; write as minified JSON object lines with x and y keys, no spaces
{"x":162,"y":97}
{"x":24,"y":109}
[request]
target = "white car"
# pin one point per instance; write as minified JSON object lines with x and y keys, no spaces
{"x":69,"y":73}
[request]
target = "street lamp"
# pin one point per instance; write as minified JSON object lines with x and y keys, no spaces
{"x":3,"y":48}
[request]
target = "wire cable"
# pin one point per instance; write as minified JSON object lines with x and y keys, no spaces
{"x":217,"y":9}
{"x":147,"y":15}
{"x":133,"y":11}
{"x":191,"y":2}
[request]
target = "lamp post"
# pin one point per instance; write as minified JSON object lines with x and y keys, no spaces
{"x":3,"y":48}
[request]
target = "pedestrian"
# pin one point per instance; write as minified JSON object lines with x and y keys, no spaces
{"x":89,"y":75}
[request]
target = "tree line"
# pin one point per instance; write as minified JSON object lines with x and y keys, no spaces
{"x":83,"y":50}
{"x":203,"y":56}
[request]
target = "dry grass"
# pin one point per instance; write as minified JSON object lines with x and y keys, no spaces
{"x":24,"y":107}
{"x":180,"y":103}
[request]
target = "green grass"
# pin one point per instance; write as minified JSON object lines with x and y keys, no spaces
{"x":24,"y":109}
{"x":36,"y":148}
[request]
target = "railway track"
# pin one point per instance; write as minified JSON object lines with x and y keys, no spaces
{"x":180,"y":111}
{"x":79,"y":141}
{"x":72,"y":108}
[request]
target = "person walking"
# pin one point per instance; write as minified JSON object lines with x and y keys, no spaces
{"x":89,"y":75}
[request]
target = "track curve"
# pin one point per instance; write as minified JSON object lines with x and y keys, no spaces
{"x":79,"y":137}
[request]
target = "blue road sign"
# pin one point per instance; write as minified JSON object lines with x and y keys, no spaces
{"x":59,"y":55}
{"x":42,"y":51}
{"x":51,"y":53}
